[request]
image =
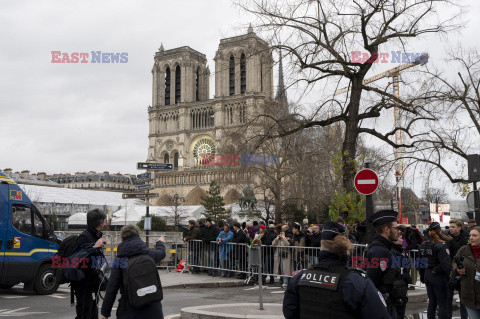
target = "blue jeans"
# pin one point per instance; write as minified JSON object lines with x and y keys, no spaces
{"x":473,"y":313}
{"x":284,"y":278}
{"x":211,"y":254}
{"x":224,"y":265}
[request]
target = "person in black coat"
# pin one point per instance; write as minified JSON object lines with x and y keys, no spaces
{"x":457,"y":238}
{"x":437,"y":275}
{"x":313,"y":240}
{"x":239,"y":238}
{"x":209,"y":237}
{"x":330,"y":289}
{"x":92,"y":242}
{"x":131,"y":246}
{"x":267,"y":239}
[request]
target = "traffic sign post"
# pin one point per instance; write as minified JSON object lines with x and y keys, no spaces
{"x":144,"y":177}
{"x":144,"y":187}
{"x":366,"y":182}
{"x":139,"y":195}
{"x":154,"y":166}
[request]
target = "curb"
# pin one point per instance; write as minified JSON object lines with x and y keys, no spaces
{"x":222,"y":311}
{"x":418,"y":297}
{"x":208,"y":285}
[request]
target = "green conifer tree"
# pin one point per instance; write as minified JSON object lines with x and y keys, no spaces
{"x":213,"y":203}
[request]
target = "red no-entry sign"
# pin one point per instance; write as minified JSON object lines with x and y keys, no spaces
{"x":366,"y":181}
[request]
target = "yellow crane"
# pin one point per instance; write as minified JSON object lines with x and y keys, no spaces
{"x":394,"y":74}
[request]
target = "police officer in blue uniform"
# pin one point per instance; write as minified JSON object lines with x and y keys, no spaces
{"x":330,"y":289}
{"x":388,"y":280}
{"x":437,"y":274}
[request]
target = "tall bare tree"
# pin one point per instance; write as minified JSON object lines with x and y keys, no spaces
{"x":456,"y":132}
{"x":319,"y":37}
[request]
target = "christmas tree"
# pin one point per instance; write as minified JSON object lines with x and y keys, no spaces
{"x":213,"y":203}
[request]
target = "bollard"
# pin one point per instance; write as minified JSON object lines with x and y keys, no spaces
{"x":255,"y":259}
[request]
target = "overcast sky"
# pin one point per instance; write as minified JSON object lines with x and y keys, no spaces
{"x":64,"y":118}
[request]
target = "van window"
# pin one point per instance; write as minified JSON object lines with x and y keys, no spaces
{"x":27,"y":220}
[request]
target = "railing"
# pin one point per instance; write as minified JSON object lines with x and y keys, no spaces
{"x":276,"y":261}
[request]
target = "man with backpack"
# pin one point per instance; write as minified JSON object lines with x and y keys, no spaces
{"x":137,"y":279}
{"x":89,"y":243}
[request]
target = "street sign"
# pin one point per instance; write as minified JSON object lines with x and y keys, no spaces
{"x":154,"y":166}
{"x":139,"y":195}
{"x":144,"y":187}
{"x":471,"y":199}
{"x":144,"y":176}
{"x":147,"y":225}
{"x":366,"y":181}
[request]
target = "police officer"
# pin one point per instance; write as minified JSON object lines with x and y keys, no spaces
{"x":330,"y":289}
{"x":388,"y":280}
{"x":437,"y":273}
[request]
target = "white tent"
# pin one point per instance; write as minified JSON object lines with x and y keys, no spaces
{"x":78,"y":219}
{"x":132,"y":214}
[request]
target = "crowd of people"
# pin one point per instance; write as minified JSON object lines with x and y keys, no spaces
{"x":313,"y":262}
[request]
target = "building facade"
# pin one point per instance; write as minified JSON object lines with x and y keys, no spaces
{"x":185,"y":123}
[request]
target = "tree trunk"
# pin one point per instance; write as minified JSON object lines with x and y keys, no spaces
{"x":349,"y":148}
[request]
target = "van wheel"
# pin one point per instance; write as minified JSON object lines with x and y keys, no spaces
{"x":7,"y":286}
{"x":45,"y":280}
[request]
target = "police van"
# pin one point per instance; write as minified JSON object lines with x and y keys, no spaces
{"x":27,"y":242}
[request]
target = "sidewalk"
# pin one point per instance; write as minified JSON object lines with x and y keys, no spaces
{"x":175,"y":279}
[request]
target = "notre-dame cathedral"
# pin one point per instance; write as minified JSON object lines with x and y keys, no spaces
{"x":185,"y":123}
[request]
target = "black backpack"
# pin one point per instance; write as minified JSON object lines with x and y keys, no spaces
{"x":66,"y":249}
{"x":141,"y":281}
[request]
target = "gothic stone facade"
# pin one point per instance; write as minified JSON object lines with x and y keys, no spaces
{"x":184,"y":122}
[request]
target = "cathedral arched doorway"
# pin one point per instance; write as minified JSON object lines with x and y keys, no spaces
{"x":195,"y":196}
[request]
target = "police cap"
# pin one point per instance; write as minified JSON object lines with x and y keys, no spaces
{"x":331,"y":229}
{"x":383,"y":217}
{"x":434,"y":226}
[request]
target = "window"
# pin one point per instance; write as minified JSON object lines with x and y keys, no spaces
{"x":27,"y":219}
{"x":177,"y":84}
{"x":243,"y":74}
{"x":175,"y":160}
{"x":232,"y":75}
{"x":197,"y":85}
{"x":167,"y":86}
{"x":166,"y":158}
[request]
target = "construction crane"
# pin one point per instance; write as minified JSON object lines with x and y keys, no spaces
{"x":394,"y":74}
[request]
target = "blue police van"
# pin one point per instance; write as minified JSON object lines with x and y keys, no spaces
{"x":27,"y":242}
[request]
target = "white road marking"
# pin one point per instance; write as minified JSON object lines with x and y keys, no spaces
{"x":172,"y":316}
{"x":17,"y":313}
{"x":13,"y":296}
{"x":57,"y":296}
{"x":365,"y":181}
{"x":277,"y":292}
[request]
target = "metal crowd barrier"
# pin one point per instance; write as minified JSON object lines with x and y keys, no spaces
{"x":229,"y":259}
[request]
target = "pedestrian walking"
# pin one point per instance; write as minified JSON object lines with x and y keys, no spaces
{"x":91,"y":241}
{"x":330,"y":289}
{"x":437,"y":274}
{"x":130,"y":247}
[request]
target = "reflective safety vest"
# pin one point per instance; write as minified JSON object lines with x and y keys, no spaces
{"x":320,"y":289}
